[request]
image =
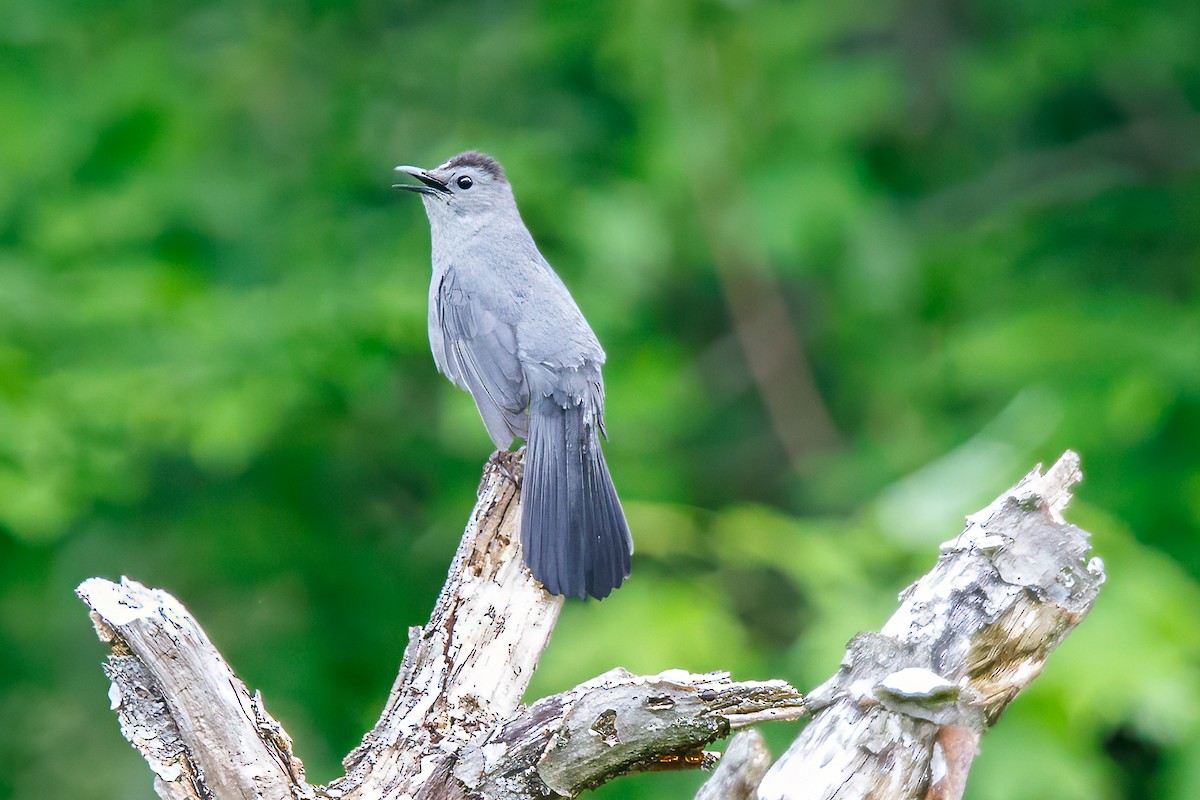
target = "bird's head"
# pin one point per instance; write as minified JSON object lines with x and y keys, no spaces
{"x":465,"y":190}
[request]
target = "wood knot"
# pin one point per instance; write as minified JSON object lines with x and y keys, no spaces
{"x":605,"y":727}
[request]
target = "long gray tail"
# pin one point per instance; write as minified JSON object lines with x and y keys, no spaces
{"x":573,"y":530}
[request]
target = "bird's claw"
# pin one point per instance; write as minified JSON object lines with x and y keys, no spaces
{"x":509,"y":463}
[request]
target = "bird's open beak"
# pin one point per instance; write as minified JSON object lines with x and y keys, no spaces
{"x":432,"y":184}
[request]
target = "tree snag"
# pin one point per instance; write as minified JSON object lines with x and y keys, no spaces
{"x":901,"y":718}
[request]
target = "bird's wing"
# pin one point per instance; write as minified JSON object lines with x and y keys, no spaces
{"x":478,"y":352}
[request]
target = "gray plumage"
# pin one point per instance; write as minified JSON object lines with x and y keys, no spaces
{"x":504,"y":327}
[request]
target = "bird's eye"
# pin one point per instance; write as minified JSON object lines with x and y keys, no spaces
{"x":465,"y":182}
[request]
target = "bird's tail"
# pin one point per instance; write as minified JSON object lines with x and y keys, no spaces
{"x":574,"y":533}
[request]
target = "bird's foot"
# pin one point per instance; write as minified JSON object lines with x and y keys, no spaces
{"x":509,"y":463}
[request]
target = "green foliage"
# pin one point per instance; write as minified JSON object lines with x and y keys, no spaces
{"x":982,"y":221}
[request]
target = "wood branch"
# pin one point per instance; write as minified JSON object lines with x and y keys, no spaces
{"x":467,"y":669}
{"x":616,"y":724}
{"x":901,"y":719}
{"x":903,"y":716}
{"x":740,"y":770}
{"x":452,"y":725}
{"x":180,"y":704}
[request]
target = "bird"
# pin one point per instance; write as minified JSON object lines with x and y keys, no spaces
{"x":504,"y":327}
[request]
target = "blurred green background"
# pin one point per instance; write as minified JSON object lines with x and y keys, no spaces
{"x":955,"y":239}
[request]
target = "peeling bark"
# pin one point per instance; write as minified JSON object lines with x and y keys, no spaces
{"x":616,"y":724}
{"x":179,"y":703}
{"x":902,"y":718}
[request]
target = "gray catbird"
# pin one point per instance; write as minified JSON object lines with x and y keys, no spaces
{"x":504,"y":327}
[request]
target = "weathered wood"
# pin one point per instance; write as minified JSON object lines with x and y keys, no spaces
{"x":466,"y":670}
{"x":179,"y":703}
{"x":743,"y":765}
{"x":901,"y":719}
{"x":616,"y":724}
{"x":903,"y":715}
{"x":455,"y":703}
